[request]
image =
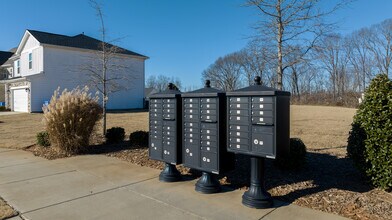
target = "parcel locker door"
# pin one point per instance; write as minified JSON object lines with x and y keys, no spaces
{"x":263,"y":144}
{"x":191,"y":155}
{"x":209,"y":160}
{"x":169,"y":153}
{"x":155,"y":148}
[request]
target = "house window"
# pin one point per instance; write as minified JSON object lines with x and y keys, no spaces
{"x":18,"y":66}
{"x":30,"y":61}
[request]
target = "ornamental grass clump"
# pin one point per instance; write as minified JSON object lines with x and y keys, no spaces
{"x":70,"y":119}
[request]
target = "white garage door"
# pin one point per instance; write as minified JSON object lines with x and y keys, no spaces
{"x":20,"y":100}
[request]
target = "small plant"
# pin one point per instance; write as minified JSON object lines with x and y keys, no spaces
{"x":3,"y":109}
{"x":139,"y":138}
{"x":70,"y":119}
{"x":43,"y":139}
{"x":295,"y":159}
{"x":115,"y":135}
{"x":370,"y":140}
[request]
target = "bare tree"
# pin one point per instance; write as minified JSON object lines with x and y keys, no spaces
{"x":290,"y":22}
{"x":106,"y":71}
{"x":225,"y":73}
{"x":160,"y":82}
{"x":380,"y":44}
{"x":360,"y":57}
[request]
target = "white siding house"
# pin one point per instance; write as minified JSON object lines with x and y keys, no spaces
{"x":44,"y":61}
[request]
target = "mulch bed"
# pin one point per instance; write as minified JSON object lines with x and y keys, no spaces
{"x":6,"y":211}
{"x":329,"y":182}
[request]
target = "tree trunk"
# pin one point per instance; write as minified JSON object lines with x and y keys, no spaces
{"x":280,"y":42}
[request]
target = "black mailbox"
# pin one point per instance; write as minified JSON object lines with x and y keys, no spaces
{"x":165,"y":131}
{"x":258,"y":125}
{"x":204,"y":136}
{"x":258,"y":121}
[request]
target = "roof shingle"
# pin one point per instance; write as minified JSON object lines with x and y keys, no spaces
{"x":77,"y":41}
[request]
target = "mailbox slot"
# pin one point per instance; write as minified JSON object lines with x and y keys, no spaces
{"x":208,"y":100}
{"x":237,"y":100}
{"x":262,"y":99}
{"x":262,"y":120}
{"x":262,"y":106}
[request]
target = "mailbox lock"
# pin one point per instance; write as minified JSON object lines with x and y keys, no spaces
{"x":204,"y":159}
{"x":256,"y":141}
{"x":187,"y":150}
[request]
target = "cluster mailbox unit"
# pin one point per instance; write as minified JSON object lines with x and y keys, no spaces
{"x":203,"y":128}
{"x":204,"y":136}
{"x":258,"y":125}
{"x":165,"y":131}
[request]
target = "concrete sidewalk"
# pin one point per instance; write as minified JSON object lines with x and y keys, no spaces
{"x":100,"y":187}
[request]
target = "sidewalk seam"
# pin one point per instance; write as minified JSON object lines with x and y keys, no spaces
{"x":38,"y":177}
{"x":85,"y":196}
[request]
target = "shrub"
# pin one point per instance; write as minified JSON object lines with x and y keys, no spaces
{"x":43,"y":139}
{"x":374,"y":116}
{"x":70,"y":119}
{"x":115,"y":135}
{"x":139,"y":138}
{"x":356,"y":146}
{"x":3,"y":109}
{"x":295,"y":159}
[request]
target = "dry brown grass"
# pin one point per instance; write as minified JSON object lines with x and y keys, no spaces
{"x":318,"y":126}
{"x":322,"y":128}
{"x":6,"y":211}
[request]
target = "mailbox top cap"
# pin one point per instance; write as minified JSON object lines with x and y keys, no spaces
{"x":171,"y":92}
{"x":258,"y":89}
{"x":207,"y":91}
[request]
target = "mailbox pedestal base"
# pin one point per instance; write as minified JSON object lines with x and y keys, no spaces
{"x":208,"y":184}
{"x":169,"y":174}
{"x":257,"y":197}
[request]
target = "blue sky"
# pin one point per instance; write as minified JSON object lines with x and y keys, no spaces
{"x":181,"y":37}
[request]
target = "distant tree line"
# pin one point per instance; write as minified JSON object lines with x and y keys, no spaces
{"x":296,"y":50}
{"x":160,"y":82}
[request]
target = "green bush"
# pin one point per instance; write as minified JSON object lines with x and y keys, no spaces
{"x":70,"y":119}
{"x":295,"y":159}
{"x":43,"y":139}
{"x":374,"y":116}
{"x":115,"y":135}
{"x":356,"y":146}
{"x":3,"y":109}
{"x":139,"y":138}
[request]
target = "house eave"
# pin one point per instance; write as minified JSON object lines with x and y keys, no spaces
{"x":12,"y":80}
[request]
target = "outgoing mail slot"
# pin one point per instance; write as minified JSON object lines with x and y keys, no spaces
{"x":263,"y":129}
{"x":169,"y":116}
{"x":210,"y":126}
